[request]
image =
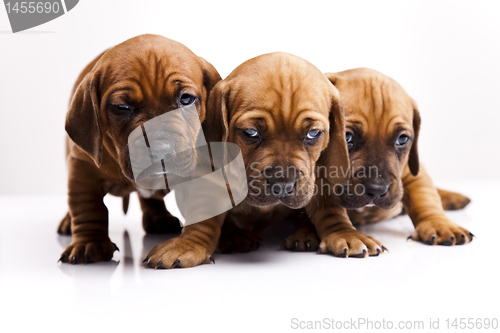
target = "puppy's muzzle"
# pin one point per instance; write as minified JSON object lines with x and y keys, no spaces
{"x":166,"y":158}
{"x":376,"y":189}
{"x":166,"y":145}
{"x":282,"y":189}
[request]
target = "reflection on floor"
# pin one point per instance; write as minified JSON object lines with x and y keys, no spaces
{"x":261,"y":290}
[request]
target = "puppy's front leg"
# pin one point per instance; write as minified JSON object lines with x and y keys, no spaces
{"x":89,"y":216}
{"x":234,"y":239}
{"x":156,"y":219}
{"x":193,"y":247}
{"x":336,"y":232}
{"x":423,"y":204}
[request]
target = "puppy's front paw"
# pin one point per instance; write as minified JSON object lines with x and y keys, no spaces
{"x":64,"y":227}
{"x":303,"y":239}
{"x":238,"y":241}
{"x":178,"y":252}
{"x":453,"y":201}
{"x":350,"y":243}
{"x":89,"y":251}
{"x":441,"y":232}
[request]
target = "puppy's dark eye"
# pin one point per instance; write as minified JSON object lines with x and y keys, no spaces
{"x":187,"y":99}
{"x":122,"y":108}
{"x":402,"y":140}
{"x":349,"y":137}
{"x":313,"y":134}
{"x":251,"y":132}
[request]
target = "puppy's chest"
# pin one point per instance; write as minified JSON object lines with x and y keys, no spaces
{"x":119,"y":190}
{"x":366,"y":215}
{"x":156,"y":194}
{"x":122,"y":190}
{"x":257,"y":218}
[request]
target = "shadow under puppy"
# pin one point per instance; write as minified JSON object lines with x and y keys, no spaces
{"x":131,"y":83}
{"x":382,"y":128}
{"x":282,"y":112}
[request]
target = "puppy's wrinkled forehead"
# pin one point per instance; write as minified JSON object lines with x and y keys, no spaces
{"x":374,"y":101}
{"x":281,"y":89}
{"x":150,"y":72}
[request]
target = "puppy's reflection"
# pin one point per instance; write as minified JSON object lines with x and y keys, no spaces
{"x":127,"y":257}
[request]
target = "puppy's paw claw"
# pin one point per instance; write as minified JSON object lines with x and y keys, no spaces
{"x":441,"y":232}
{"x":88,"y":251}
{"x":177,"y":252}
{"x":351,"y":243}
{"x":302,"y":240}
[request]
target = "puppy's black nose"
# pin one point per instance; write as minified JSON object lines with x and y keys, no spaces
{"x":162,"y":149}
{"x":282,"y":189}
{"x":376,"y":189}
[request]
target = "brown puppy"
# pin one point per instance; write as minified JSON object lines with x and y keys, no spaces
{"x":123,"y":88}
{"x":282,"y":112}
{"x":382,"y":127}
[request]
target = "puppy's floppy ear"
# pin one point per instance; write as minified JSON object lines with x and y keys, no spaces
{"x":332,"y":77}
{"x":413,"y":161}
{"x":82,"y":120}
{"x":339,"y":153}
{"x":216,"y":124}
{"x":210,"y":75}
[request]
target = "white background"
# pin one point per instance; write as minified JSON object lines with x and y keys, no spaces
{"x":444,"y":53}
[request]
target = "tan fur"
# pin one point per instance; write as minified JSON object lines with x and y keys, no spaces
{"x":379,"y":110}
{"x":283,"y":96}
{"x":149,"y":72}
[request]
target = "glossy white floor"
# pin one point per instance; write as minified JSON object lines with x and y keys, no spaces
{"x":259,"y":291}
